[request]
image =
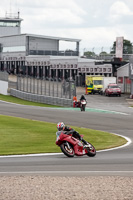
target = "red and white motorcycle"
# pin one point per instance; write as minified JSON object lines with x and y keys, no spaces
{"x":71,"y":146}
{"x":83,"y":104}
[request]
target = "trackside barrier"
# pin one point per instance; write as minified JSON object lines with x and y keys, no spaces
{"x":41,"y":98}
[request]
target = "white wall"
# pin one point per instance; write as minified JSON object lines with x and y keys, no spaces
{"x":4,"y":87}
{"x":122,"y":72}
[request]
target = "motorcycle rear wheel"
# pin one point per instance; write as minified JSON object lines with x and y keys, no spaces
{"x":67,"y":150}
{"x":91,"y":151}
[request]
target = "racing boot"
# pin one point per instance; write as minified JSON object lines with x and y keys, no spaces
{"x":84,"y":142}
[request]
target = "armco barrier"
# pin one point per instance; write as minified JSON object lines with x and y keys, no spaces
{"x":41,"y":98}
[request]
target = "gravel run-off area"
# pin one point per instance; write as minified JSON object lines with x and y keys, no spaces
{"x":40,"y":187}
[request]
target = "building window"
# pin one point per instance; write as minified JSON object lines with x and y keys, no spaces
{"x":87,"y":69}
{"x":14,"y":49}
{"x":109,"y":69}
{"x":83,"y":69}
{"x":100,"y":69}
{"x":9,"y":24}
{"x":71,"y":66}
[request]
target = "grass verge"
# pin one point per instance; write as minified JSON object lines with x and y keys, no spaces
{"x":16,"y":100}
{"x":23,"y":136}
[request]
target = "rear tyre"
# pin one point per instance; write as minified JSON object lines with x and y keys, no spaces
{"x":91,"y":151}
{"x":67,"y":149}
{"x":83,"y":107}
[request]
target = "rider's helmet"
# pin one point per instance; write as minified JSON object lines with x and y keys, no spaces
{"x":60,"y":126}
{"x":82,"y":97}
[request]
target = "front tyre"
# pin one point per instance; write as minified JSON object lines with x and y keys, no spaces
{"x":91,"y":151}
{"x":67,"y":149}
{"x":83,"y":107}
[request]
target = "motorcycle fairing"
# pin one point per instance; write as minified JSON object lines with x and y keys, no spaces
{"x":77,"y":145}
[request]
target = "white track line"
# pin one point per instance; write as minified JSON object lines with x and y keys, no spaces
{"x":96,"y":109}
{"x":69,"y":172}
{"x":129,"y":141}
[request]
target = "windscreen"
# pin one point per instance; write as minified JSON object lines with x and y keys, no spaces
{"x":97,"y":82}
{"x":113,"y":86}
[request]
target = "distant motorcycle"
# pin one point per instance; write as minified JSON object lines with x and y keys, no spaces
{"x":71,"y":146}
{"x":83,"y":104}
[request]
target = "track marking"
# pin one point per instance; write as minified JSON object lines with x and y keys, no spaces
{"x":72,"y":109}
{"x":129,"y":141}
{"x":94,"y":110}
{"x":70,"y":172}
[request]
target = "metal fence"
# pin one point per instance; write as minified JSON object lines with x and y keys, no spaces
{"x":45,"y":87}
{"x":54,"y":53}
{"x":42,"y":98}
{"x":40,"y":90}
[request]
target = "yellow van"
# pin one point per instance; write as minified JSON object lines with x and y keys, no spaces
{"x":93,"y":84}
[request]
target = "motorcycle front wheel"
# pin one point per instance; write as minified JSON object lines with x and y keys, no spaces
{"x":91,"y":151}
{"x":83,"y":107}
{"x":67,"y":149}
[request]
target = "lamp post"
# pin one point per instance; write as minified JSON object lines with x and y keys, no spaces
{"x":110,"y":50}
{"x":84,"y":51}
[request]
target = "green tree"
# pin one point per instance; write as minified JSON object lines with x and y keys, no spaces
{"x":89,"y":54}
{"x":103,"y":53}
{"x":127,"y":47}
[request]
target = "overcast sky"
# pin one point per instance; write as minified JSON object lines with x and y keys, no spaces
{"x":96,"y":22}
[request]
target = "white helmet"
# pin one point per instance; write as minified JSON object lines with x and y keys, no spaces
{"x":60,"y":126}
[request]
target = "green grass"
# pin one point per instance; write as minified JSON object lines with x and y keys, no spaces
{"x":12,"y":99}
{"x":23,"y":136}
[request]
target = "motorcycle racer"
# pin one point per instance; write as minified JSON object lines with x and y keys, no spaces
{"x":67,"y":130}
{"x":82,"y":97}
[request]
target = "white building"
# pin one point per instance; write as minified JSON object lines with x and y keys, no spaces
{"x":123,"y":78}
{"x":40,"y":56}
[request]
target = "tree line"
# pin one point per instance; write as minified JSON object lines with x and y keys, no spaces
{"x":127,"y":49}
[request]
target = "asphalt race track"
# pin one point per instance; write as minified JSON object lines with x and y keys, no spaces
{"x":114,"y":162}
